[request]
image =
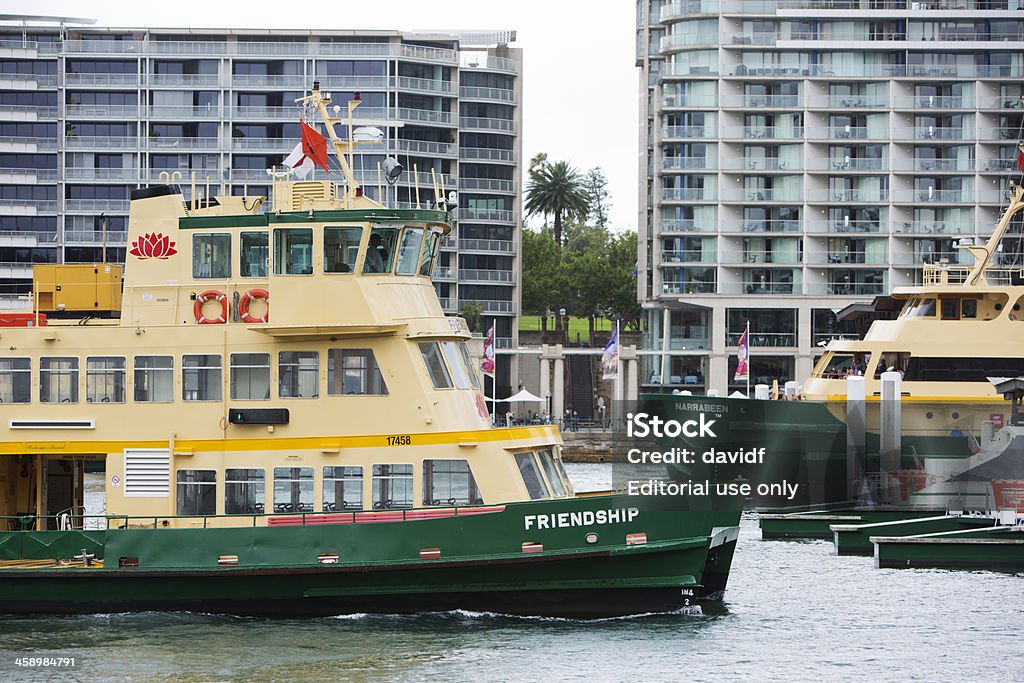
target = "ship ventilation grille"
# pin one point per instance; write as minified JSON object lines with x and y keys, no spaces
{"x":303,"y":193}
{"x":147,"y":473}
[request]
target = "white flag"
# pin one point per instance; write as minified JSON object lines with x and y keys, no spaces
{"x":299,"y":162}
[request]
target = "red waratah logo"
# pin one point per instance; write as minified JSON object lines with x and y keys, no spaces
{"x":153,"y":245}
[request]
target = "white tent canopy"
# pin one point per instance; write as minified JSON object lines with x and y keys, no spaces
{"x":523,"y":396}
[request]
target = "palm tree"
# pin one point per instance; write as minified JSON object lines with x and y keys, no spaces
{"x":557,"y":190}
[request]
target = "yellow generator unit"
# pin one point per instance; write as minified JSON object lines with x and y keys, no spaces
{"x":76,"y":290}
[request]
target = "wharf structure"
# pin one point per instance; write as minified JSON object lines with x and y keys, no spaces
{"x":88,"y":114}
{"x":798,"y":156}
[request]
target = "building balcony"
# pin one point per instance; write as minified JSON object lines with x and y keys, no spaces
{"x":102,"y":80}
{"x":482,"y":123}
{"x":15,"y":270}
{"x":28,"y":207}
{"x":760,"y":258}
{"x":931,"y":195}
{"x":689,"y":100}
{"x":848,"y":289}
{"x":444,"y":274}
{"x":934,"y":102}
{"x":27,"y":145}
{"x":764,"y":133}
{"x":676,"y":256}
{"x":263,"y":81}
{"x":687,"y":41}
{"x":934,"y":165}
{"x":844,"y":226}
{"x":687,"y":194}
{"x":764,"y":164}
{"x":486,"y":246}
{"x":469,"y":214}
{"x":27,"y":176}
{"x":849,"y":258}
{"x":351,"y":82}
{"x":933,"y":228}
{"x":1007,"y":134}
{"x":422,"y":147}
{"x":840,"y":133}
{"x":423,"y":115}
{"x":687,"y":132}
{"x":489,"y":63}
{"x":161,"y":143}
{"x":761,"y":288}
{"x":471,"y":92}
{"x":1000,"y":166}
{"x":765,"y":226}
{"x":490,"y":305}
{"x":762,"y":195}
{"x":688,"y":163}
{"x":487,"y":185}
{"x":933,"y":133}
{"x":920,"y":259}
{"x":763,"y":339}
{"x":675,"y":287}
{"x":102,"y":174}
{"x":683,"y":225}
{"x":685,"y":8}
{"x":432,"y":85}
{"x":213,"y":112}
{"x":263,"y":144}
{"x":19,"y":113}
{"x":27,"y":238}
{"x":102,"y":111}
{"x":486,"y":276}
{"x":95,"y":237}
{"x":851,"y":164}
{"x":97,"y":205}
{"x":853,"y":102}
{"x":828,"y":196}
{"x":487,"y":154}
{"x":101,"y":142}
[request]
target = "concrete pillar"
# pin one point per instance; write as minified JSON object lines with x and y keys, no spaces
{"x":558,"y":392}
{"x":856,"y":422}
{"x":632,"y":388}
{"x":545,"y":381}
{"x":889,"y":432}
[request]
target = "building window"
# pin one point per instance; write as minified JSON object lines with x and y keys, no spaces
{"x":392,"y":487}
{"x":211,"y":256}
{"x":201,"y":377}
{"x":354,"y":372}
{"x":343,"y":488}
{"x":58,"y":380}
{"x":449,"y":482}
{"x":15,"y":380}
{"x":381,"y":251}
{"x":250,"y":376}
{"x":535,"y":485}
{"x":105,"y":379}
{"x":554,"y":472}
{"x":244,"y":491}
{"x":197,"y":492}
{"x":255,"y":252}
{"x":293,"y":251}
{"x":154,"y":379}
{"x":293,"y":489}
{"x":341,"y":249}
{"x":460,"y":372}
{"x":298,"y":374}
{"x":439,"y":376}
{"x":409,"y":252}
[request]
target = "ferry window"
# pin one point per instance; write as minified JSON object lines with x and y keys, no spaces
{"x":965,"y":369}
{"x":58,"y":380}
{"x":197,"y":492}
{"x":298,"y":374}
{"x":458,"y":366}
{"x":293,"y":489}
{"x":950,"y":308}
{"x":535,"y":485}
{"x":969,"y":308}
{"x":548,"y":464}
{"x":354,"y":372}
{"x":895,"y":361}
{"x":154,"y":379}
{"x":842,"y":364}
{"x":435,"y":365}
{"x":250,"y":376}
{"x":343,"y":488}
{"x":201,"y":377}
{"x":211,"y":256}
{"x":923,"y":308}
{"x":449,"y":482}
{"x":380,"y":253}
{"x":429,"y":256}
{"x":244,"y":492}
{"x":474,"y":379}
{"x":392,"y":487}
{"x":409,"y":252}
{"x":255,"y":253}
{"x":341,"y":249}
{"x":105,"y":379}
{"x":293,"y":251}
{"x":15,"y":380}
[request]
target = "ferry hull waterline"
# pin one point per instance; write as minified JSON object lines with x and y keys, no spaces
{"x":290,"y":425}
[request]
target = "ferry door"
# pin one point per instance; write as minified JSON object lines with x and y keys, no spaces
{"x":63,"y":491}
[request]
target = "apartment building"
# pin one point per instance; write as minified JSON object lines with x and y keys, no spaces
{"x":801,"y":155}
{"x":87,"y":114}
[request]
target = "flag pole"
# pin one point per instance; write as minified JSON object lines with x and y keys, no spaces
{"x":618,"y":370}
{"x":494,"y":375}
{"x":748,"y":359}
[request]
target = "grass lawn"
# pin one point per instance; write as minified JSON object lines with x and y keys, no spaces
{"x":581,"y":326}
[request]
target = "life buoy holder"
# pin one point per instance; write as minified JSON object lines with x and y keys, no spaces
{"x":247,"y":298}
{"x":210,"y":295}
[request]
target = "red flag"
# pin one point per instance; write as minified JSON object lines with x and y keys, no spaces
{"x":1020,"y":158}
{"x":314,"y":146}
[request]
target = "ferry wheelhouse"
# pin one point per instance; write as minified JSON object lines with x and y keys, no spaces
{"x":289,"y":424}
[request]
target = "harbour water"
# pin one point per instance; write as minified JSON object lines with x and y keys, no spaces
{"x":793,"y":612}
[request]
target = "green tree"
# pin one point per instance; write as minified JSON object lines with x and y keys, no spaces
{"x":543,"y":276}
{"x":538,"y":161}
{"x":596,"y":184}
{"x":620,"y":291}
{"x":557,"y":190}
{"x":474,"y":316}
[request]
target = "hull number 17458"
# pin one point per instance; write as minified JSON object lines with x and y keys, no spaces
{"x":400,"y":440}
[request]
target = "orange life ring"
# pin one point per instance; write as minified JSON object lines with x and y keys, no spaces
{"x":243,"y":305}
{"x":210,"y":295}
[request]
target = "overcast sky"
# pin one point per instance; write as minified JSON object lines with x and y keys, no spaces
{"x":579,"y":80}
